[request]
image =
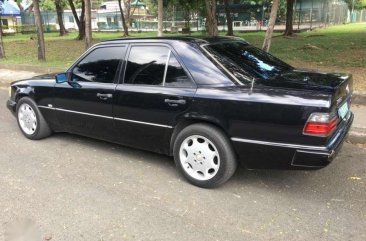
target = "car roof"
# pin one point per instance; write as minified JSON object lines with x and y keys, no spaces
{"x":188,"y":39}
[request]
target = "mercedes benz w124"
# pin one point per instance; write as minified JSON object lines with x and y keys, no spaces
{"x":212,"y":103}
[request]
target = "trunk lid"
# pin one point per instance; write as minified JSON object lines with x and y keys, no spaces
{"x":308,"y":80}
{"x":339,"y":85}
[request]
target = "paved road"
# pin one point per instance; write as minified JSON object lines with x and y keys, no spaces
{"x":68,"y":187}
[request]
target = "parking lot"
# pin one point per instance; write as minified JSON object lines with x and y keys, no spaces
{"x":68,"y":187}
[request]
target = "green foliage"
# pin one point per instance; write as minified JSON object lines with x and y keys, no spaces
{"x":152,"y":6}
{"x":47,"y":5}
{"x":96,"y":3}
{"x":356,"y":4}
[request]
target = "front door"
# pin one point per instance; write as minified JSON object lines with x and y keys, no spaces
{"x":84,"y":105}
{"x":155,"y":91}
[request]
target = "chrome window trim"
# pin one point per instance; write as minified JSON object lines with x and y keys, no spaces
{"x":221,"y":65}
{"x":107,"y":117}
{"x":286,"y":145}
{"x":166,"y":67}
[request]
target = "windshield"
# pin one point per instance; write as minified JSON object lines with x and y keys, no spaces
{"x":243,"y":60}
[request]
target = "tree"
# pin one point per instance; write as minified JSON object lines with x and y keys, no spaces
{"x":356,"y":4}
{"x":60,"y":11}
{"x":128,"y":12}
{"x":2,"y":50}
{"x":187,"y":6}
{"x":271,"y":24}
{"x":211,"y":21}
{"x":79,"y":21}
{"x":125,"y":27}
{"x":229,"y":19}
{"x":88,"y":27}
{"x":160,"y":18}
{"x":40,"y":38}
{"x":289,"y":18}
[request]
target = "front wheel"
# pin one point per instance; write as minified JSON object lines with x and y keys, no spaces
{"x":204,"y":155}
{"x":30,"y":120}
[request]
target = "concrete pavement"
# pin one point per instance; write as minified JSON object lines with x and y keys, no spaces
{"x":358,"y":131}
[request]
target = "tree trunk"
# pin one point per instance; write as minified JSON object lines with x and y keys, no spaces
{"x":125,"y":27}
{"x":160,"y":18}
{"x":2,"y":50}
{"x":74,"y":13}
{"x":88,"y":27}
{"x":79,"y":21}
{"x":211,"y":22}
{"x":60,"y":11}
{"x":271,"y":24}
{"x":289,"y":18}
{"x":39,"y":27}
{"x":128,"y":12}
{"x":361,"y":15}
{"x":229,"y":19}
{"x":81,"y":35}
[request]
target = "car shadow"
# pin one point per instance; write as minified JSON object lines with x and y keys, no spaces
{"x":296,"y":181}
{"x":118,"y":149}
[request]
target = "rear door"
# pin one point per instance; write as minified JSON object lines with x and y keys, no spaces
{"x":84,"y":105}
{"x":155,"y":92}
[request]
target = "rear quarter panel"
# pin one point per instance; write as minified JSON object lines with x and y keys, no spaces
{"x":271,"y":115}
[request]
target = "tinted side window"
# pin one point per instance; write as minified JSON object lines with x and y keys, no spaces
{"x":99,"y":66}
{"x":146,"y":65}
{"x":175,"y":76}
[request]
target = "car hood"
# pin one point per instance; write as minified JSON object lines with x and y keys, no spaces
{"x":45,"y":76}
{"x":306,"y":80}
{"x":37,"y":79}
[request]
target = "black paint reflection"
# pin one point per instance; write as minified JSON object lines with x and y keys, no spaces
{"x":99,"y":66}
{"x":240,"y":57}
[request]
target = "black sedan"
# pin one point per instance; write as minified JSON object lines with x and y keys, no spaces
{"x":209,"y":102}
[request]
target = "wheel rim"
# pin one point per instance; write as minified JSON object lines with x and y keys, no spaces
{"x":27,"y":119}
{"x":199,"y":157}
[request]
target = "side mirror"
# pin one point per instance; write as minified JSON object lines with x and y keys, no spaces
{"x":61,"y":78}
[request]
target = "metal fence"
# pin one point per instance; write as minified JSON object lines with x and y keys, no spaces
{"x":308,"y":14}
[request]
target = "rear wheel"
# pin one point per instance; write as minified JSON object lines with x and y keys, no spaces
{"x":30,"y":120}
{"x":204,"y":155}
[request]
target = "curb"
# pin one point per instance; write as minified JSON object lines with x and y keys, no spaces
{"x":32,"y":68}
{"x":357,"y":135}
{"x":359,"y":97}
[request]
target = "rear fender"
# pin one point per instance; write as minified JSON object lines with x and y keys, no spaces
{"x":191,"y":118}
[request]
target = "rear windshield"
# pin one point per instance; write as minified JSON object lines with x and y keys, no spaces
{"x":243,"y":60}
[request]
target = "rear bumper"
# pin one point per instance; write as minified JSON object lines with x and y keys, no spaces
{"x":11,"y":105}
{"x":260,"y":154}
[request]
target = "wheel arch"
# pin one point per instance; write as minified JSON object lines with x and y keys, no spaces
{"x":195,"y":120}
{"x":25,"y":91}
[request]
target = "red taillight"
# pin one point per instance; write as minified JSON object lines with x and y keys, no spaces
{"x":320,"y":124}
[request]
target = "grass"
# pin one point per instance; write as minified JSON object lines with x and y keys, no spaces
{"x":341,"y":47}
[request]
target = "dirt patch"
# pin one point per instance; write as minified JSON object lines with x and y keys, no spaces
{"x":310,"y":47}
{"x":352,"y":54}
{"x":7,"y":76}
{"x":359,"y":73}
{"x":315,"y":35}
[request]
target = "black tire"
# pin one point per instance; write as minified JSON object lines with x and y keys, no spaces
{"x":227,"y":164}
{"x":42,"y":129}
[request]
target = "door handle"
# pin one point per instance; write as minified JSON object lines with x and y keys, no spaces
{"x":104,"y":96}
{"x":175,"y":102}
